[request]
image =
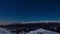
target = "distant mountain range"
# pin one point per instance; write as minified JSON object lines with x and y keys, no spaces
{"x":23,"y":22}
{"x":42,"y":21}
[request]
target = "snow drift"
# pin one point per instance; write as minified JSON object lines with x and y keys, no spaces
{"x":4,"y":31}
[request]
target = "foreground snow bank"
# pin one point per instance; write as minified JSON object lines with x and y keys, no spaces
{"x":4,"y":31}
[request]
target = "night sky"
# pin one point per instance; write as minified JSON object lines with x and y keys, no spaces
{"x":29,"y":10}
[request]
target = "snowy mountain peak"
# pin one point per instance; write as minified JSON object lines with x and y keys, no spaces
{"x":43,"y":31}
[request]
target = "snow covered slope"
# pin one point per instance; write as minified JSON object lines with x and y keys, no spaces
{"x":43,"y":31}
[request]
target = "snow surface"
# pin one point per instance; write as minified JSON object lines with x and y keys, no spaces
{"x":4,"y":31}
{"x":42,"y":31}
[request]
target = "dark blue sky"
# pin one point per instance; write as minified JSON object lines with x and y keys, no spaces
{"x":29,"y":10}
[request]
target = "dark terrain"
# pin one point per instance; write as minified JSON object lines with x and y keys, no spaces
{"x":32,"y":26}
